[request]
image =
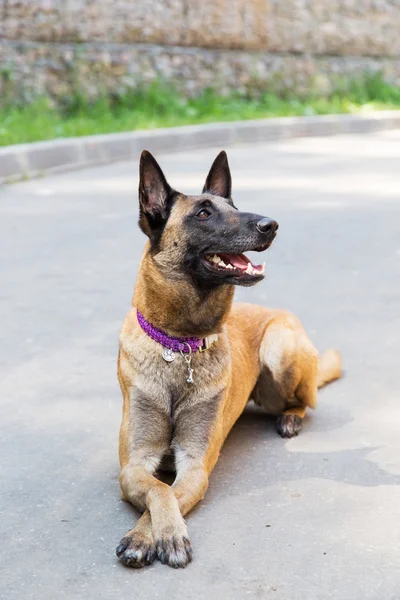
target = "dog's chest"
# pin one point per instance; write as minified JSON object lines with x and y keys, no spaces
{"x":181,"y":375}
{"x":159,"y":367}
{"x":167,"y":406}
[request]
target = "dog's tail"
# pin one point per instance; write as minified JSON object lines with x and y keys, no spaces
{"x":330,"y":367}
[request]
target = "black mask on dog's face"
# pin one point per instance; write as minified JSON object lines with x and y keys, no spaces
{"x":201,"y":237}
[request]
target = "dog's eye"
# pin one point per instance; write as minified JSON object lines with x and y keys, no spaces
{"x":203,"y":214}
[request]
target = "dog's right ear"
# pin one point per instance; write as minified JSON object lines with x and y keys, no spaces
{"x":219,"y":181}
{"x":155,"y":196}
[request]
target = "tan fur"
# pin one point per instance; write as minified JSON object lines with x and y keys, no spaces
{"x":330,"y":367}
{"x":261,"y":354}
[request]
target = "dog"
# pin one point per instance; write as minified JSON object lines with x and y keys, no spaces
{"x":190,"y":360}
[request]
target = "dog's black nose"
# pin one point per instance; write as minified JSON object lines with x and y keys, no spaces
{"x":267,"y":225}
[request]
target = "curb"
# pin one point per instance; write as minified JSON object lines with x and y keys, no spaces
{"x":23,"y":161}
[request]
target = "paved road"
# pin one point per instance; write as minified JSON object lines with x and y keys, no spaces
{"x":316,"y":517}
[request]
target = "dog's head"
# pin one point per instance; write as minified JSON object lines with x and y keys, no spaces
{"x":201,"y":237}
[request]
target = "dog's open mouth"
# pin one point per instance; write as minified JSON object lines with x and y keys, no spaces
{"x":234,"y":264}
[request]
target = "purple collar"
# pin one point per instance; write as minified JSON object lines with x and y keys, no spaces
{"x":177,"y":344}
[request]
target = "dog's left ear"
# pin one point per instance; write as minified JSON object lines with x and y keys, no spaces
{"x":219,"y":181}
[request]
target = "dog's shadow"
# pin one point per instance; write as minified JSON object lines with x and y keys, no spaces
{"x":255,"y":457}
{"x":242,"y":464}
{"x":254,"y":454}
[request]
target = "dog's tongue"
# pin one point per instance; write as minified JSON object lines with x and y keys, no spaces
{"x":236,"y":260}
{"x":240,"y":261}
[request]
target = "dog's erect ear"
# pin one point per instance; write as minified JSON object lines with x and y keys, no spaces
{"x":153,"y":187}
{"x":155,"y":196}
{"x":219,"y":182}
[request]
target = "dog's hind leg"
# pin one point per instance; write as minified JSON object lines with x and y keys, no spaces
{"x":289,"y":370}
{"x":289,"y":423}
{"x":314,"y":374}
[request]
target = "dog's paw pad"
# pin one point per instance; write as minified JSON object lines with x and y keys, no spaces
{"x":288,"y":425}
{"x":134,"y":551}
{"x":174,"y":551}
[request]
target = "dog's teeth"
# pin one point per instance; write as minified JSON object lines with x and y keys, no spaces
{"x":250,"y":270}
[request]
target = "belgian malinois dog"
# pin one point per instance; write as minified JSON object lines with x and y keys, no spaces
{"x":190,"y":360}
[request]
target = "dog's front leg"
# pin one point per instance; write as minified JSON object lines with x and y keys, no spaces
{"x":161,"y":530}
{"x":191,"y":482}
{"x":145,"y":439}
{"x":137,"y":547}
{"x":192,"y":472}
{"x":168,"y":536}
{"x":197,"y":442}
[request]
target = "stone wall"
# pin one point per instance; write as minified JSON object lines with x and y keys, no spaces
{"x":55,"y":46}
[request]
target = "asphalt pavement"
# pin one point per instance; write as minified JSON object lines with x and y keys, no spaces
{"x":314,"y":517}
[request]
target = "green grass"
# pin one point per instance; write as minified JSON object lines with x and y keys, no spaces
{"x":158,"y":106}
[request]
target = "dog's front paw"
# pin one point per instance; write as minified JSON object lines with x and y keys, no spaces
{"x":136,"y":550}
{"x":174,"y":549}
{"x":288,"y":425}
